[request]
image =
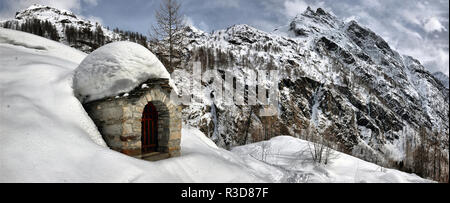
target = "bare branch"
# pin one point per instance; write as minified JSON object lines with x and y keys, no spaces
{"x":167,"y":34}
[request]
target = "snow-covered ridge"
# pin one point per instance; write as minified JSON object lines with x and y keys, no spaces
{"x":442,"y":78}
{"x":58,"y":17}
{"x":311,"y":22}
{"x":62,"y":19}
{"x":375,"y":99}
{"x":46,"y":13}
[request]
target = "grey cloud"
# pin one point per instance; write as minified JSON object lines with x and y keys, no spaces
{"x":404,"y":24}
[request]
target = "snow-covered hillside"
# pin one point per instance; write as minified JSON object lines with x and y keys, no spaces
{"x":46,"y":136}
{"x":72,"y":30}
{"x":442,"y":78}
{"x":288,"y":159}
{"x":337,"y":78}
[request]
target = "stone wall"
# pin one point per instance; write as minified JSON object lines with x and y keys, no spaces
{"x":119,"y":119}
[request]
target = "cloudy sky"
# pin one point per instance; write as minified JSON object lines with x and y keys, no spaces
{"x":413,"y":27}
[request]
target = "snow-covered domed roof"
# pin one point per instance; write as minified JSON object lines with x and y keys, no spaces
{"x":115,"y":69}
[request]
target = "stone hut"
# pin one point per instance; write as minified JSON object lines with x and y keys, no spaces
{"x":143,"y":123}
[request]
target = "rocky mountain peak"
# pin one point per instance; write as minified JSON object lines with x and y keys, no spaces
{"x":44,"y":13}
{"x":66,"y":24}
{"x":313,"y":22}
{"x":243,"y":34}
{"x":318,"y":13}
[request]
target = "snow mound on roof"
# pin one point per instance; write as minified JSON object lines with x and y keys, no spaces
{"x":115,"y":69}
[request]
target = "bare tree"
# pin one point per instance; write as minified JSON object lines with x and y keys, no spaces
{"x":167,"y":34}
{"x":321,"y":146}
{"x":265,"y":150}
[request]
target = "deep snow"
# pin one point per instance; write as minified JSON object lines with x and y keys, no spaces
{"x":287,"y":159}
{"x":46,"y":136}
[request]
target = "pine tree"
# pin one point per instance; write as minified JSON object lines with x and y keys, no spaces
{"x":99,"y":35}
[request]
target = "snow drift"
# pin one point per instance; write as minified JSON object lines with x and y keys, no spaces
{"x":287,"y":159}
{"x":115,"y":69}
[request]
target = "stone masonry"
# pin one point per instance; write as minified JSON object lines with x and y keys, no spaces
{"x":119,"y":119}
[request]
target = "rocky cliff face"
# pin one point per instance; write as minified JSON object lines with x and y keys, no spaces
{"x":442,"y":78}
{"x":338,"y":78}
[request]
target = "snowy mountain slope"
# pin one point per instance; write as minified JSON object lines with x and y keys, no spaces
{"x":62,"y":19}
{"x":442,"y":78}
{"x":336,"y":77}
{"x":46,"y":136}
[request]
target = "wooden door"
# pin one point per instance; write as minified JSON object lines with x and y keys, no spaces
{"x":149,"y":129}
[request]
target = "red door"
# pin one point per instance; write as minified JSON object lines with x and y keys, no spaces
{"x":149,"y":129}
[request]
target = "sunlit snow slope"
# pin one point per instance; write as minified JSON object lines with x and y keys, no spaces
{"x":287,"y":159}
{"x":46,"y":136}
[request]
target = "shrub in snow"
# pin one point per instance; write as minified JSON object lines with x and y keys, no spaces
{"x":115,"y":69}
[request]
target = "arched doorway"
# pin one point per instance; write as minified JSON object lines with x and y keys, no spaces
{"x":149,"y":136}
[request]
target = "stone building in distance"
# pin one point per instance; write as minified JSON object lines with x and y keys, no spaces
{"x":142,"y":122}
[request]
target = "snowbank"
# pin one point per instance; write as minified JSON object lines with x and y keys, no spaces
{"x":290,"y":161}
{"x":115,"y":69}
{"x":35,"y":77}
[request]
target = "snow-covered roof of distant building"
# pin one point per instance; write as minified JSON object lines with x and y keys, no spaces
{"x":115,"y":69}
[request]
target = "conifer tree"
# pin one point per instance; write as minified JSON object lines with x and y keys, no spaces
{"x":168,"y":33}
